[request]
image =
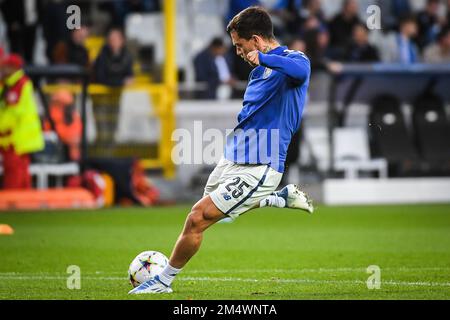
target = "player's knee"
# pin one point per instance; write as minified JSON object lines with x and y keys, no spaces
{"x":195,"y":219}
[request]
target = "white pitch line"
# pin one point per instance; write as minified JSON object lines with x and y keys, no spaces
{"x":227,"y":271}
{"x":317,"y":270}
{"x":230,"y":279}
{"x":389,"y":282}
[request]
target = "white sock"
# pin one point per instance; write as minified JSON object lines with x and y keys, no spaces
{"x":273,"y":201}
{"x":168,"y":274}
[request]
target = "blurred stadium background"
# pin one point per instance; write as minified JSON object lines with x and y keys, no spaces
{"x":376,"y":127}
{"x":110,"y":94}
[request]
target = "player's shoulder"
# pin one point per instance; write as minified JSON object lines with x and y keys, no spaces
{"x":295,"y":54}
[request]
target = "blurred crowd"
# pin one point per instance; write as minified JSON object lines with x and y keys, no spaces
{"x":111,"y":66}
{"x":406,"y":36}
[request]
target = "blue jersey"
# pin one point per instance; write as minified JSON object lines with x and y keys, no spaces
{"x":272,"y":109}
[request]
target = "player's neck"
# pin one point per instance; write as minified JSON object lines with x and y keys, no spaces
{"x":269,"y":46}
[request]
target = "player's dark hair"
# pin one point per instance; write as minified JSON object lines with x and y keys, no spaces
{"x":252,"y":21}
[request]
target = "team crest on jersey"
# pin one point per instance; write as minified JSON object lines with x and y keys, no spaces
{"x":267,"y":73}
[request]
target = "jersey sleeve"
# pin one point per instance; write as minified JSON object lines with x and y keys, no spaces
{"x":295,"y":65}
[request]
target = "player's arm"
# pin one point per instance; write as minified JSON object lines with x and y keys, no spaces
{"x":295,"y":65}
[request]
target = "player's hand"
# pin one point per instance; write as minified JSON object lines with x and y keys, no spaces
{"x":253,"y":57}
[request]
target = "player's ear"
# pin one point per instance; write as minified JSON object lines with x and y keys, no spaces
{"x":257,"y":41}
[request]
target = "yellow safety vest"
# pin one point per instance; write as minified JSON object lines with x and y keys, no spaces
{"x":20,"y":126}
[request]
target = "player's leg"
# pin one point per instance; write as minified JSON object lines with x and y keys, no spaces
{"x":291,"y":196}
{"x":203,"y":214}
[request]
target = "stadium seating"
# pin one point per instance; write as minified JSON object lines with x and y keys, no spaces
{"x":192,"y":36}
{"x":432,"y":133}
{"x":390,"y":137}
{"x":351,"y":153}
{"x":136,"y":119}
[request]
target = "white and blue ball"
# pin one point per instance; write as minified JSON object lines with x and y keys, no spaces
{"x":146,"y":265}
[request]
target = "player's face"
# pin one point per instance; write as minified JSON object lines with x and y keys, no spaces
{"x":243,"y":46}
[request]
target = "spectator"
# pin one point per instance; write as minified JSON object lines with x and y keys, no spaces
{"x":399,"y":47}
{"x":297,"y":44}
{"x":21,"y":19}
{"x":341,"y":27}
{"x":313,"y":8}
{"x":360,"y":50}
{"x":78,"y":54}
{"x":439,"y":52}
{"x":317,"y":48}
{"x":428,"y":23}
{"x":400,"y":8}
{"x":67,"y":123}
{"x":73,"y":51}
{"x":311,"y":23}
{"x":54,"y":18}
{"x":212,"y":68}
{"x":20,"y":126}
{"x":285,"y":15}
{"x":114,"y":65}
{"x":310,"y":29}
{"x":393,"y":11}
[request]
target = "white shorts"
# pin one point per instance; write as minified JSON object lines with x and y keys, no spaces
{"x":236,"y":188}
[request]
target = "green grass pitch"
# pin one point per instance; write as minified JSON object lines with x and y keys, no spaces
{"x":266,"y":254}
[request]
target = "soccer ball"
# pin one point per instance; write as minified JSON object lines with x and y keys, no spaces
{"x":146,"y":265}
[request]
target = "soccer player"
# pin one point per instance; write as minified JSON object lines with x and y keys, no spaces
{"x":247,"y":176}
